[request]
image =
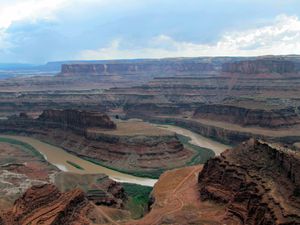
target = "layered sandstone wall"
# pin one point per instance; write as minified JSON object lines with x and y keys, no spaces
{"x":261,"y":66}
{"x":154,"y":109}
{"x":77,"y":119}
{"x":270,"y":118}
{"x":150,"y":68}
{"x":257,"y":182}
{"x":248,"y":117}
{"x":225,"y":135}
{"x":46,"y":205}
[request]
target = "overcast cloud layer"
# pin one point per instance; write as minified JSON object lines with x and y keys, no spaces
{"x":37,"y":31}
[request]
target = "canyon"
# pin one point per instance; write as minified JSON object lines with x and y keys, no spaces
{"x":255,"y":95}
{"x":157,"y":123}
{"x":254,"y":183}
{"x":132,"y":147}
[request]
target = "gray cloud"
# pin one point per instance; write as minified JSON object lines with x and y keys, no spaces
{"x":37,"y":31}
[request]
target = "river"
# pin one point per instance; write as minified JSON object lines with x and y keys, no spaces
{"x":59,"y":157}
{"x":197,"y":139}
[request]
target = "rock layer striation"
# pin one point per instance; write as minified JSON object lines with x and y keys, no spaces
{"x":77,"y":119}
{"x":258,"y":183}
{"x":44,"y":204}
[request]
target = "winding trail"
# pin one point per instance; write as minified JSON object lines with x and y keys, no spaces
{"x":175,"y":189}
{"x":105,"y":215}
{"x":175,"y":194}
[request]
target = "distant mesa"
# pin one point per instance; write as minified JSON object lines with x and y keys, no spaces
{"x":182,"y":66}
{"x":273,"y":118}
{"x":166,"y":67}
{"x":262,"y":66}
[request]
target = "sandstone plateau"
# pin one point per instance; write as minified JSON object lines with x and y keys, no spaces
{"x":262,"y":66}
{"x":149,"y":67}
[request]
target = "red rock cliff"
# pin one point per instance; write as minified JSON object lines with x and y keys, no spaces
{"x":258,"y":183}
{"x":46,"y":205}
{"x":77,"y":119}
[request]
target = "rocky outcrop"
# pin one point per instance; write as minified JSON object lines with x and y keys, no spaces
{"x":248,"y":117}
{"x":44,"y":204}
{"x":243,"y":116}
{"x":261,"y":66}
{"x":77,"y":119}
{"x":21,"y":168}
{"x":258,"y":183}
{"x":98,"y":188}
{"x":73,"y":120}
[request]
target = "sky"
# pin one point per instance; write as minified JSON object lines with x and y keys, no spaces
{"x":38,"y":31}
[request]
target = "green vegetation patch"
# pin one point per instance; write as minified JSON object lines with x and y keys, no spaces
{"x":202,"y":154}
{"x":153,"y":174}
{"x":138,"y":199}
{"x":24,"y":146}
{"x":75,"y":165}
